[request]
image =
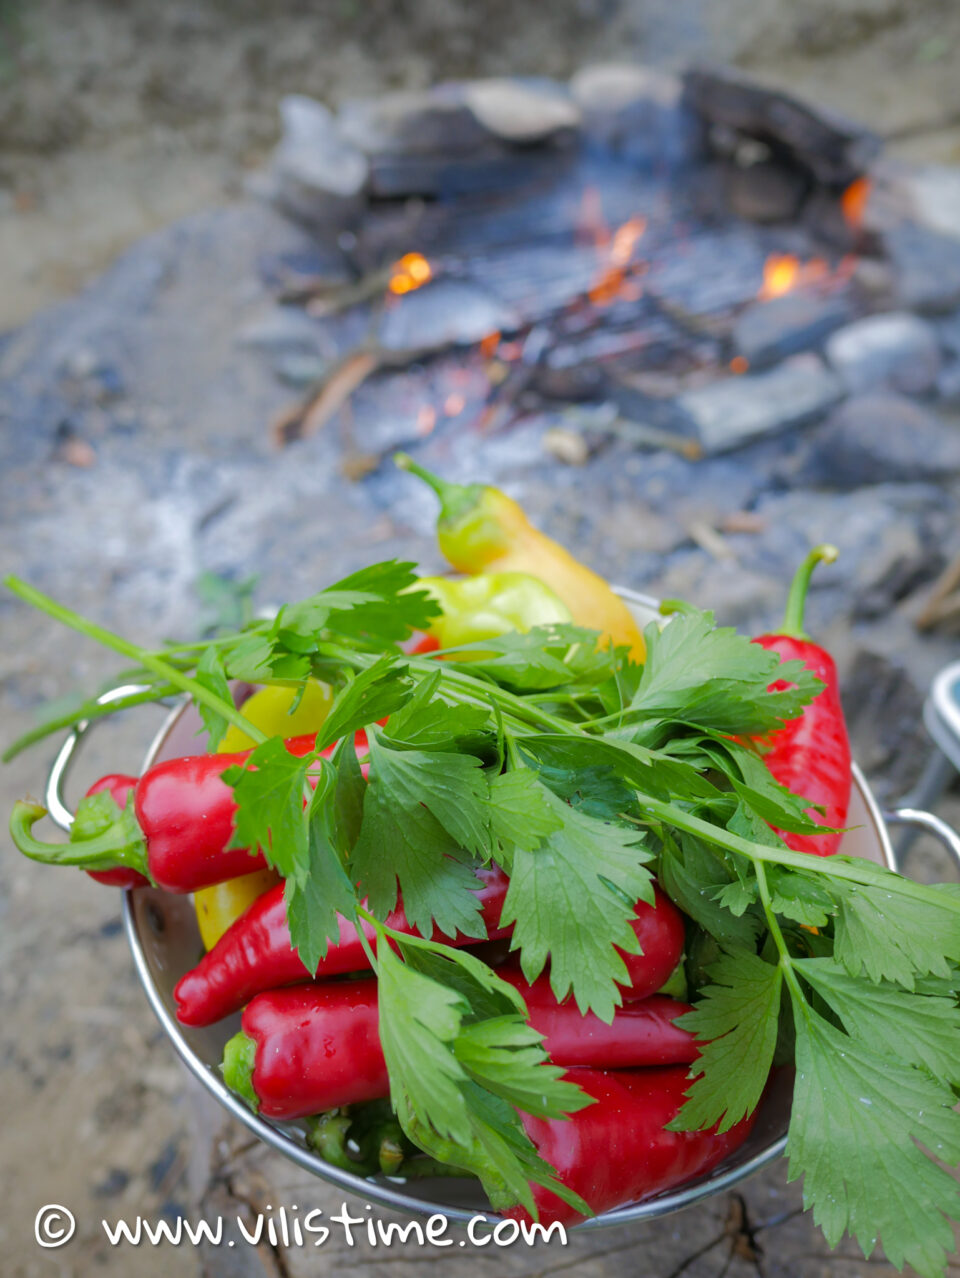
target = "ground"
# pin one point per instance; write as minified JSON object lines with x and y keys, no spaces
{"x":118,"y":116}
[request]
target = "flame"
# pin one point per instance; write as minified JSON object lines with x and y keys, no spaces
{"x":410,"y":272}
{"x":781,"y":274}
{"x":739,"y":364}
{"x":489,"y":344}
{"x":612,"y":282}
{"x":854,"y":201}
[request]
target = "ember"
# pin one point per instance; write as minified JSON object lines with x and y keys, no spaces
{"x":411,"y":272}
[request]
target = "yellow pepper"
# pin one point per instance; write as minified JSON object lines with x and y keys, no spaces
{"x":219,"y":906}
{"x":482,"y":529}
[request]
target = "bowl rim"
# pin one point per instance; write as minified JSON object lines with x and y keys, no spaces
{"x":280,"y":1137}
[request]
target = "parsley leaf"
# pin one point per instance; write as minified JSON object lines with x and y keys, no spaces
{"x":371,"y":695}
{"x":377,"y":605}
{"x":428,"y":722}
{"x":269,"y":790}
{"x":454,"y":1076}
{"x":716,"y":678}
{"x":919,"y":1029}
{"x":314,"y":905}
{"x":423,"y":816}
{"x":543,"y":658}
{"x":893,"y":937}
{"x":859,"y":1118}
{"x":571,"y":901}
{"x":736,"y":1023}
{"x":212,"y":676}
{"x":691,"y":874}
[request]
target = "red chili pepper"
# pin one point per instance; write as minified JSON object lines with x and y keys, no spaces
{"x":178,"y":832}
{"x":641,"y":1033}
{"x":314,"y":1047}
{"x":616,"y":1151}
{"x":255,"y":953}
{"x":661,"y":932}
{"x":308,"y":1049}
{"x":118,"y":785}
{"x":811,"y":755}
{"x":428,"y":643}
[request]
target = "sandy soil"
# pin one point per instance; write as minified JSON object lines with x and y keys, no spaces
{"x":118,"y":116}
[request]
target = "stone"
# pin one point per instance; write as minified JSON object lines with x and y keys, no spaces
{"x":412,"y":122}
{"x":926,"y":194}
{"x":638,"y":111}
{"x":444,"y":312}
{"x":522,"y":111}
{"x":318,"y":174}
{"x":878,"y":438}
{"x":765,"y":192}
{"x":898,"y":350}
{"x":884,"y":712}
{"x":730,"y":413}
{"x":833,"y":149}
{"x":926,"y":268}
{"x":766,"y":332}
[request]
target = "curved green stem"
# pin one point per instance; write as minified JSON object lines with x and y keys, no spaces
{"x":88,"y":710}
{"x":797,"y":598}
{"x":455,"y":499}
{"x":773,"y":923}
{"x":121,"y":844}
{"x":29,"y":594}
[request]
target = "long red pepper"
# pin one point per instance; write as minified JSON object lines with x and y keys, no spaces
{"x":617,"y":1150}
{"x":118,"y":785}
{"x":255,"y":953}
{"x":811,"y":755}
{"x":314,"y":1047}
{"x":178,"y":833}
{"x":641,"y":1033}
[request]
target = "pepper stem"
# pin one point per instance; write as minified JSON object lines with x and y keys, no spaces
{"x":239,"y":1058}
{"x":455,"y":499}
{"x":796,"y":600}
{"x":120,"y":844}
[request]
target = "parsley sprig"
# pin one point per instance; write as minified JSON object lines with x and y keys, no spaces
{"x":583,"y":776}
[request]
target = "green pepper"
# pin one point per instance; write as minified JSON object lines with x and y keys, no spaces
{"x":490,"y":604}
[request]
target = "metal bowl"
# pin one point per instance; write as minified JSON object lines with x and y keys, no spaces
{"x":165,"y":943}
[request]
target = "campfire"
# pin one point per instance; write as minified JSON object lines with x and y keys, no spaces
{"x":686,"y":263}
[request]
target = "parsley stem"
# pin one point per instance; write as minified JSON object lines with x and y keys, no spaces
{"x":854,"y":869}
{"x":29,"y":594}
{"x":786,"y":961}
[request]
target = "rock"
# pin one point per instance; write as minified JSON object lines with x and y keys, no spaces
{"x":833,"y":149}
{"x":727,"y":414}
{"x":638,"y":111}
{"x":766,"y":332}
{"x":884,"y":713}
{"x":897,"y":350}
{"x":522,"y":111}
{"x":282,"y":330}
{"x":414,"y":122}
{"x":445,"y":312}
{"x":879,"y":438}
{"x":926,"y":268}
{"x":318,"y":174}
{"x":928,"y":195}
{"x":765,"y":192}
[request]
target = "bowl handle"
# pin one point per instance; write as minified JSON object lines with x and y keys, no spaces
{"x":54,"y":800}
{"x":929,"y":822}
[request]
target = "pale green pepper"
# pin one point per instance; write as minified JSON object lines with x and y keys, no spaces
{"x":489,"y":605}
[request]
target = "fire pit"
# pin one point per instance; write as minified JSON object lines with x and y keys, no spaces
{"x":689,"y":264}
